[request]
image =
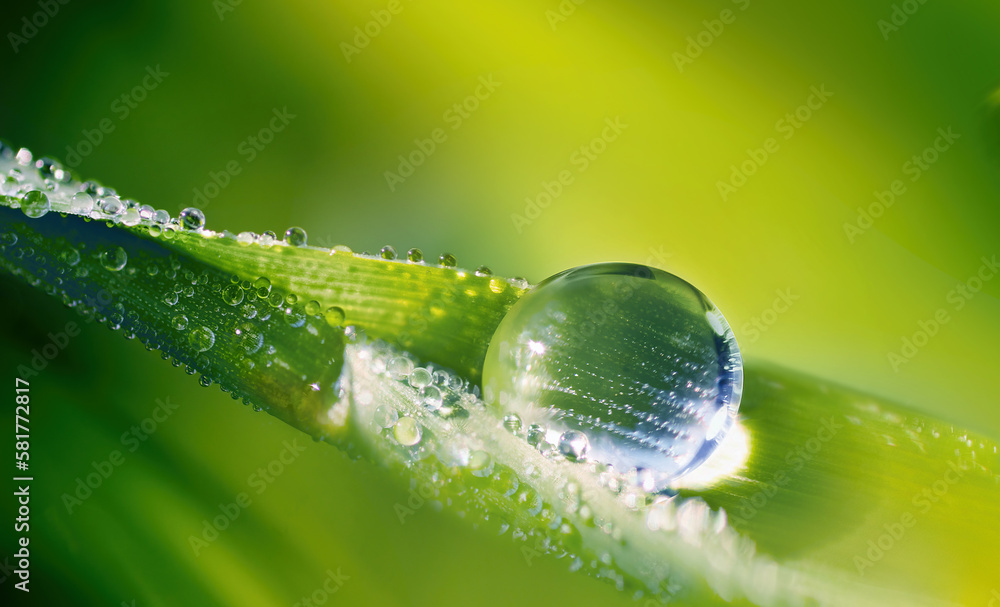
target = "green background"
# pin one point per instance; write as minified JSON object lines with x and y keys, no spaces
{"x":651,"y":197}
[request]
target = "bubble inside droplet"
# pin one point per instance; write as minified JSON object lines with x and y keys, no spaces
{"x":629,"y":366}
{"x":114,"y":259}
{"x":192,"y":218}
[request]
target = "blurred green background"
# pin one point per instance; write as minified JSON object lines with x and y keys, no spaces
{"x":697,"y":88}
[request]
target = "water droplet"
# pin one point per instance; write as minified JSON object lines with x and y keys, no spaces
{"x":574,"y":445}
{"x":170,"y":299}
{"x":232,"y":294}
{"x":82,"y":203}
{"x":35,"y":204}
{"x":385,"y":416}
{"x":267,"y":239}
{"x":334,"y":316}
{"x":262,"y":287}
{"x":245,"y":238}
{"x":251,"y":338}
{"x":201,"y":339}
{"x":512,"y":422}
{"x":662,"y":384}
{"x":407,"y":431}
{"x":480,"y":462}
{"x":420,"y":378}
{"x":399,"y":368}
{"x":447,"y":260}
{"x":483,"y":271}
{"x":313,"y":308}
{"x":415,"y":255}
{"x":71,"y":256}
{"x":155,"y":230}
{"x":114,"y":259}
{"x":161,"y":216}
{"x":192,"y":218}
{"x":291,"y":299}
{"x":388,"y":252}
{"x":131,"y":217}
{"x":180,"y":322}
{"x":294,"y":317}
{"x":111,"y":205}
{"x":296,"y":237}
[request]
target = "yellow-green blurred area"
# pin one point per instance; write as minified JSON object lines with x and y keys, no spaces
{"x":506,"y":109}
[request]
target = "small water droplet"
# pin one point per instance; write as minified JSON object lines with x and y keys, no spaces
{"x":245,"y":238}
{"x":388,"y":252}
{"x":512,"y":421}
{"x":407,"y":431}
{"x":447,"y":260}
{"x":294,"y":317}
{"x":232,"y":294}
{"x":35,"y":204}
{"x":399,"y":368}
{"x":385,"y":416}
{"x":180,"y":322}
{"x":251,"y":338}
{"x":415,"y":255}
{"x":420,"y":378}
{"x":192,"y":218}
{"x":574,"y":445}
{"x":483,"y":271}
{"x":313,"y":308}
{"x":82,"y":203}
{"x":161,"y":216}
{"x":334,"y":316}
{"x":296,"y":237}
{"x":201,"y":339}
{"x":114,"y":259}
{"x":267,"y":239}
{"x":111,"y":205}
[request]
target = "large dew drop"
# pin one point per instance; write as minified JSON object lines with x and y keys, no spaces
{"x":619,"y":364}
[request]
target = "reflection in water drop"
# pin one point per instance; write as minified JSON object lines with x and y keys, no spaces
{"x":618,"y":364}
{"x":114,"y":259}
{"x":201,"y":339}
{"x":35,"y":204}
{"x":192,"y":218}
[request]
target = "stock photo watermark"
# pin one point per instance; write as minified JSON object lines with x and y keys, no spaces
{"x":122,"y":107}
{"x":795,"y":459}
{"x":901,"y":13}
{"x":331,"y":584}
{"x":927,"y":328}
{"x":580,"y":160}
{"x":248,"y":150}
{"x":562,"y":12}
{"x":31,"y":24}
{"x":786,"y":126}
{"x":894,"y":531}
{"x":914,"y":168}
{"x":258,"y":482}
{"x":364,"y":34}
{"x":453,"y":117}
{"x":714,"y":28}
{"x":758,"y":325}
{"x":103,"y":469}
